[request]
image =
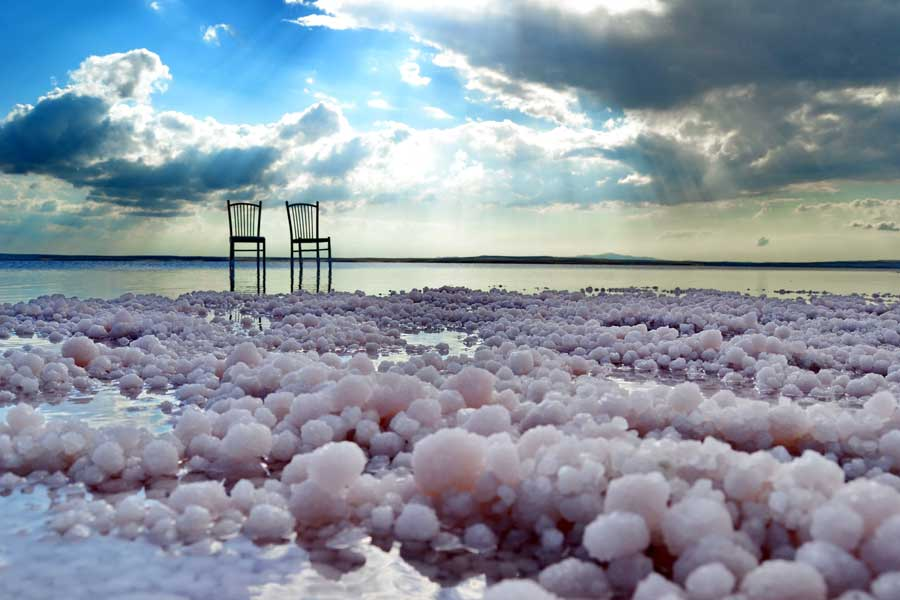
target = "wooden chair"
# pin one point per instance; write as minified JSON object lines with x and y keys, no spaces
{"x":303,"y":225}
{"x":244,"y":222}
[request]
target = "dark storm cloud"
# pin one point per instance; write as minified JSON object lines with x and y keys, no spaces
{"x":758,"y":141}
{"x":651,"y":59}
{"x":790,"y":123}
{"x":187,"y":178}
{"x":841,"y":139}
{"x":70,"y":137}
{"x":677,"y":173}
{"x":57,"y":135}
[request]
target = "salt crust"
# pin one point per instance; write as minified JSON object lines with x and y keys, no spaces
{"x":524,"y":452}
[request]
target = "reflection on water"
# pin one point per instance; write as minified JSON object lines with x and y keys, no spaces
{"x":35,"y":565}
{"x":106,"y":406}
{"x":303,"y":268}
{"x":26,"y":342}
{"x":370,"y":571}
{"x":257,"y":279}
{"x":23,"y":280}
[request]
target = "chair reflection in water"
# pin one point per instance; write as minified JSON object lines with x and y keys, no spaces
{"x":303,"y":226}
{"x":244,"y":222}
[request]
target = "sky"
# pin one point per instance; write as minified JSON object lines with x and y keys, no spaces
{"x":755,"y":130}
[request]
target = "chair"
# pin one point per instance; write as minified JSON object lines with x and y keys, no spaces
{"x":244,"y":222}
{"x":303,"y":225}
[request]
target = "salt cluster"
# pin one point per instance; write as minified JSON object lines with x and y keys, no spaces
{"x":528,"y":460}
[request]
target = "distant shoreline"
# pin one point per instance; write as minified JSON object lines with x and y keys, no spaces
{"x":488,"y":259}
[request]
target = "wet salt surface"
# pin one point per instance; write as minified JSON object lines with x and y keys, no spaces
{"x":357,"y":569}
{"x":102,"y":405}
{"x":766,"y":462}
{"x":106,"y":405}
{"x":35,"y":564}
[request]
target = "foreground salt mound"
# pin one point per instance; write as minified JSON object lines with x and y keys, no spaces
{"x":524,"y":460}
{"x":710,"y":582}
{"x":449,"y":460}
{"x":616,"y":535}
{"x":784,"y":580}
{"x":81,"y":350}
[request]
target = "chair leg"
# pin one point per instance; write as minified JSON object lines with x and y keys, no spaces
{"x":292,"y":267}
{"x":300,"y":258}
{"x":329,"y":266}
{"x":318,"y":266}
{"x":264,"y":267}
{"x":257,"y":267}
{"x":231,"y":265}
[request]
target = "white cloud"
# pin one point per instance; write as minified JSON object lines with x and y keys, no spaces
{"x":437,"y":113}
{"x":337,"y":23}
{"x":155,"y":5}
{"x":768,"y":207}
{"x":132,"y":75}
{"x":211,"y":35}
{"x":323,"y":97}
{"x":635,"y":179}
{"x":410,"y":73}
{"x":533,"y":99}
{"x":489,"y":162}
{"x":889,"y":226}
{"x":817,"y":187}
{"x":379,"y":103}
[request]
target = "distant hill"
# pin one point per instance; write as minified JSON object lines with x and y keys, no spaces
{"x":615,"y":256}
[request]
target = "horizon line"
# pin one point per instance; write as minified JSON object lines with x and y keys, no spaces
{"x":879,"y":264}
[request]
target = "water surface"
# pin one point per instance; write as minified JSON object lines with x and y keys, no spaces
{"x":23,"y":280}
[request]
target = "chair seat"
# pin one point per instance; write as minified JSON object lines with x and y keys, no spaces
{"x":311,"y":240}
{"x":248,"y":238}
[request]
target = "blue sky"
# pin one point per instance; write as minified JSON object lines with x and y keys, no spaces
{"x":673,"y":128}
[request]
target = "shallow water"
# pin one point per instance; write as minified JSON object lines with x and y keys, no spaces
{"x":107,"y":405}
{"x":23,"y":280}
{"x":47,"y":566}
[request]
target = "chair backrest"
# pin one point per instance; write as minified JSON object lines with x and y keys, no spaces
{"x":303,"y":220}
{"x":244,"y":218}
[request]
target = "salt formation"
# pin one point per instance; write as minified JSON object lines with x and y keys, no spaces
{"x":767,"y":465}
